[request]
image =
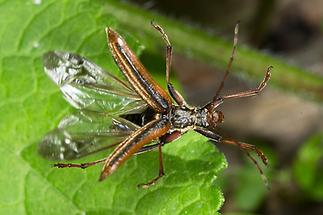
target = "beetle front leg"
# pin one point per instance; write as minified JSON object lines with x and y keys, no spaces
{"x":169,"y":55}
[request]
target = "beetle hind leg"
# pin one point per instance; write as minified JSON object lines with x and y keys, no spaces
{"x":80,"y":165}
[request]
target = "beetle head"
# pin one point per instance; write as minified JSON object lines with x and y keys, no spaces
{"x":214,"y":117}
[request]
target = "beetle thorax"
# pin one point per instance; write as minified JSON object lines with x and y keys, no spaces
{"x":184,"y":119}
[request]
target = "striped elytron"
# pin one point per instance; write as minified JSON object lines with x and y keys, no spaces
{"x":133,"y":114}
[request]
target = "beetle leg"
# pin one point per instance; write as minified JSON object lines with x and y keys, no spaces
{"x":83,"y":165}
{"x":243,"y":146}
{"x":252,"y":92}
{"x":148,"y":148}
{"x":161,"y":169}
{"x":78,"y":165}
{"x":88,"y":164}
{"x":126,"y":148}
{"x":179,"y":99}
{"x":167,"y":138}
{"x":92,"y":163}
{"x":209,"y":134}
{"x":169,"y":55}
{"x":248,"y":147}
{"x":263,"y":176}
{"x":169,"y":48}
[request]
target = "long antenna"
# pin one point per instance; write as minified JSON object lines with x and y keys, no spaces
{"x":234,"y":48}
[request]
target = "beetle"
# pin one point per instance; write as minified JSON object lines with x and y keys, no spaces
{"x":133,"y":114}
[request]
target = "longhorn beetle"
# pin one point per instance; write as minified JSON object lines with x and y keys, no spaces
{"x":134,"y":114}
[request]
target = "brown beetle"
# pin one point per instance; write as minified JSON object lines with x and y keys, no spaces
{"x":135,"y":115}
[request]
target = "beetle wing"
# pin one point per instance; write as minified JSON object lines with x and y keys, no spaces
{"x":84,"y":133}
{"x":87,"y":86}
{"x":136,"y":73}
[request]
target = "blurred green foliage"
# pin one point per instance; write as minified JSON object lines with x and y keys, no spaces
{"x":308,"y":167}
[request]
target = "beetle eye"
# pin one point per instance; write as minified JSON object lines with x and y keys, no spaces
{"x":215,"y":118}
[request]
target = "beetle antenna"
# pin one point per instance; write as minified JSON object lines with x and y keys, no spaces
{"x":234,"y":48}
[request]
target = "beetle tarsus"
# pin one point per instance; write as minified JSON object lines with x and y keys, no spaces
{"x":78,"y":165}
{"x":248,"y":147}
{"x":261,"y":172}
{"x":151,"y":182}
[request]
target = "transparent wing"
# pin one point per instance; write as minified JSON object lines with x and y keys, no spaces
{"x":84,"y":133}
{"x":87,"y":86}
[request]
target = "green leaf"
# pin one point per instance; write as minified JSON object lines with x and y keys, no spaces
{"x":308,"y":169}
{"x":31,"y":105}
